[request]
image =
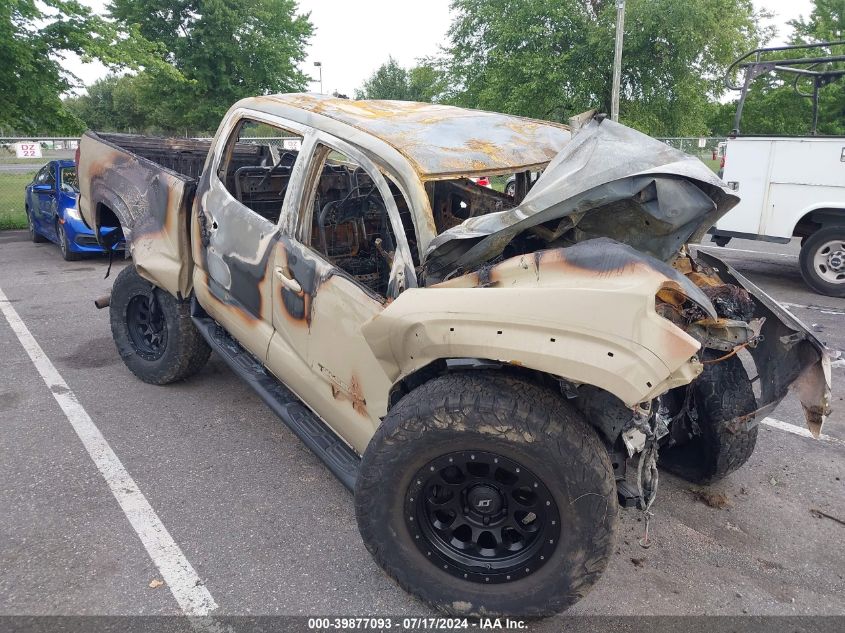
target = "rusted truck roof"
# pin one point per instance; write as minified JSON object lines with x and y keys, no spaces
{"x":441,"y":140}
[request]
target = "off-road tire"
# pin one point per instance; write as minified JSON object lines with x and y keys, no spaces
{"x":185,"y":350}
{"x":64,"y":246}
{"x":809,"y":247}
{"x":509,"y":416}
{"x":721,"y":393}
{"x":34,"y":235}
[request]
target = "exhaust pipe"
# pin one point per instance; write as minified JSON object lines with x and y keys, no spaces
{"x":103,"y":302}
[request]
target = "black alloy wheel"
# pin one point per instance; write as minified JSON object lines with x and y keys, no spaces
{"x":482,"y":517}
{"x":147,"y":326}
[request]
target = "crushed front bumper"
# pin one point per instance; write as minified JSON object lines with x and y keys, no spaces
{"x":787,"y":356}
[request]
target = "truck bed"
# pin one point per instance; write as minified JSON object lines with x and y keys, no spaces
{"x":145,"y":185}
{"x":183,"y":156}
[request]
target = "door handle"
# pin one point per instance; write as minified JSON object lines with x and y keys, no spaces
{"x":288,"y":282}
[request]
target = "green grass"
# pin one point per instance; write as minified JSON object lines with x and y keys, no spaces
{"x":498,"y":183}
{"x":12,"y":215}
{"x":712,"y":164}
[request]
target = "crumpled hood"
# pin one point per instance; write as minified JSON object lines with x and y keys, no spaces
{"x":609,"y":181}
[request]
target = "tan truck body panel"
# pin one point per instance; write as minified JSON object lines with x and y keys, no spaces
{"x":342,"y":350}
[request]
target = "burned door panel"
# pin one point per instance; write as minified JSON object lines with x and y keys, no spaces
{"x":234,"y":275}
{"x":317,"y":348}
{"x":350,"y":254}
{"x":241,"y":200}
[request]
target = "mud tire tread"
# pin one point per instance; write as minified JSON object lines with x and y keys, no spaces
{"x":187,"y":351}
{"x":461,"y":410}
{"x":722,"y":392}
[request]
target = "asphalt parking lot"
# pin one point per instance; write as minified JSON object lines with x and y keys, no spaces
{"x":267,"y":528}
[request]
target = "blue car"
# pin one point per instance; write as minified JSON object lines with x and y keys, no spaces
{"x":52,"y":214}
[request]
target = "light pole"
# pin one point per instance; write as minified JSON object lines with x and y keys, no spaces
{"x":617,"y":60}
{"x":320,"y":66}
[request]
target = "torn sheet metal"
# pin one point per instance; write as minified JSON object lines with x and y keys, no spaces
{"x":788,"y":357}
{"x":609,"y":181}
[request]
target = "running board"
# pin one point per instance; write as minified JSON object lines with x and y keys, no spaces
{"x":314,"y":433}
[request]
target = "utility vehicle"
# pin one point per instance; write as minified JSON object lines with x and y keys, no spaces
{"x":791,"y":186}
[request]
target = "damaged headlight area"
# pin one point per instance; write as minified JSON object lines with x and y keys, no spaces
{"x":752,"y":353}
{"x":734,"y":326}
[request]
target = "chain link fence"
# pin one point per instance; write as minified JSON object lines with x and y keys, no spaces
{"x":705,"y":148}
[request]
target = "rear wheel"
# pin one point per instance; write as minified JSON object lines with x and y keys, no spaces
{"x":34,"y":235}
{"x":153,"y":331}
{"x":501,"y":500}
{"x":822,"y":260}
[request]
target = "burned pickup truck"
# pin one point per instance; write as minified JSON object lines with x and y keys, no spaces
{"x":478,"y":367}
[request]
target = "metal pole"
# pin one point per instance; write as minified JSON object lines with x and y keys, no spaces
{"x":617,"y":59}
{"x":320,"y":66}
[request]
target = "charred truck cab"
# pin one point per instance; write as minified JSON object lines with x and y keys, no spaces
{"x":479,"y":367}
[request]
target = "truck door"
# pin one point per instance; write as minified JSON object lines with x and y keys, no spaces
{"x":333,"y":275}
{"x":238,"y":205}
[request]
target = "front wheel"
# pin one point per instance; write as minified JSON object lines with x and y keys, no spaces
{"x":64,"y":246}
{"x":822,"y":260}
{"x":718,"y":446}
{"x":501,"y":499}
{"x":153,"y":331}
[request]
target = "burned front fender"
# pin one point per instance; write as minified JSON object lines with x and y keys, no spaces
{"x":586,"y":313}
{"x":787,"y":355}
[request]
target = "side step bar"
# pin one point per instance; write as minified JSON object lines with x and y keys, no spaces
{"x":314,"y":433}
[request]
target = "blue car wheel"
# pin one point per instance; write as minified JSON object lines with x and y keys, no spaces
{"x":34,"y":235}
{"x":67,"y":254}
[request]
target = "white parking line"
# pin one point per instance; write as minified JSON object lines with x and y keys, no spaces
{"x":799,"y":430}
{"x":743,"y":250}
{"x":822,"y":309}
{"x":186,"y":586}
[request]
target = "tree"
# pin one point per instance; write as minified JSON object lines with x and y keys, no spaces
{"x":34,"y":37}
{"x":115,"y":103}
{"x":389,"y":81}
{"x":826,"y":24}
{"x":212,"y":53}
{"x":427,"y":81}
{"x":424,"y":82}
{"x":553,"y":58}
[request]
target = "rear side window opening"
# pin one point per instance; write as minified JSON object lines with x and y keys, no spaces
{"x":257,"y":166}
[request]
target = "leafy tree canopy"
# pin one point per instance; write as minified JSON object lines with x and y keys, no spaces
{"x":773,"y":106}
{"x":34,"y":38}
{"x":553,"y":58}
{"x":424,"y":82}
{"x":213,"y":52}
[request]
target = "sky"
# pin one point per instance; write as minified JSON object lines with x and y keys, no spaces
{"x":354,"y":37}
